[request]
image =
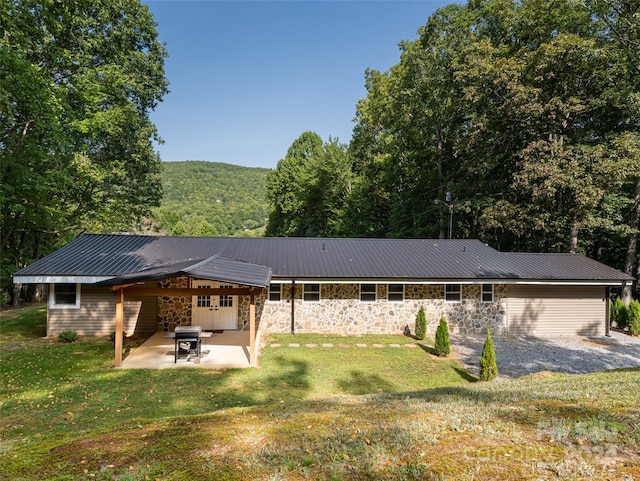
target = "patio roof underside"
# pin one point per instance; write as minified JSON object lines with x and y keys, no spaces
{"x":215,"y":268}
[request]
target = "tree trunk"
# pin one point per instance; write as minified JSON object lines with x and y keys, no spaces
{"x":439,"y":148}
{"x":573,"y":238}
{"x":632,"y":242}
{"x":17,"y":290}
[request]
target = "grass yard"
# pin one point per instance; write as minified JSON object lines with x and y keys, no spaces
{"x":341,"y":412}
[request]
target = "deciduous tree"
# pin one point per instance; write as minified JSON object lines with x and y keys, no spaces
{"x":77,"y":83}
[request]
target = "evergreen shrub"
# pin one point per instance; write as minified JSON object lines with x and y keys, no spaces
{"x":618,"y":313}
{"x":68,"y":336}
{"x":488,"y":366}
{"x":633,"y":317}
{"x":442,"y":344}
{"x":421,"y":324}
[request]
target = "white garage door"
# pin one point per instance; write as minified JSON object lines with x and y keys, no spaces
{"x":549,"y":311}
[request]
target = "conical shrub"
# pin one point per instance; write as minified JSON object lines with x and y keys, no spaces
{"x":488,"y":366}
{"x":442,"y":345}
{"x":421,"y":324}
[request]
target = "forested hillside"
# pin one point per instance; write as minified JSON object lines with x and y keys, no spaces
{"x":212,"y":199}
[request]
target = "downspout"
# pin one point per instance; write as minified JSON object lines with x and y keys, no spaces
{"x":293,"y":306}
{"x":607,"y":322}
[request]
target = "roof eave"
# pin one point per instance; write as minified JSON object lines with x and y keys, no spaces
{"x":59,"y":279}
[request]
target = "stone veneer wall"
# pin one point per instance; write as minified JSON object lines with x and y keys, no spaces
{"x":340,"y":310}
{"x":174,"y":310}
{"x":244,"y":305}
{"x":177,"y":310}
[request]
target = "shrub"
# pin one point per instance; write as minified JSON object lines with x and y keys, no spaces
{"x":618,"y":313}
{"x":633,"y":317}
{"x":112,"y":336}
{"x":421,"y":324}
{"x":442,"y":345}
{"x":4,"y":297}
{"x":488,"y":366}
{"x":68,"y":336}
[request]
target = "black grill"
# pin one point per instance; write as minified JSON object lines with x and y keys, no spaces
{"x":187,"y":341}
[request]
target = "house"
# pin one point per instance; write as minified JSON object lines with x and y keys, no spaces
{"x":99,"y":283}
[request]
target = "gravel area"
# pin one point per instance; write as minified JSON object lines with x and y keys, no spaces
{"x":518,"y":356}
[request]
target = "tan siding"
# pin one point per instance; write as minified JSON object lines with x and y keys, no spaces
{"x":549,"y":311}
{"x":97,"y":313}
{"x":147,"y":321}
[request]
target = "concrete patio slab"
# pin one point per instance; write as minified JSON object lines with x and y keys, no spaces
{"x":229,"y":349}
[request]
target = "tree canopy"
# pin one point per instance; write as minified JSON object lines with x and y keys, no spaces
{"x":308,"y":189}
{"x":77,"y":83}
{"x":526,"y":111}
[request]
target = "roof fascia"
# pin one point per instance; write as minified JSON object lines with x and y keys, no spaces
{"x":360,"y":280}
{"x":46,"y":279}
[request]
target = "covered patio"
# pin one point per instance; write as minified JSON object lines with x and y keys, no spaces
{"x":216,"y":268}
{"x":229,"y":349}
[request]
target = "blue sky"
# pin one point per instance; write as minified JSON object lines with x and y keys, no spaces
{"x":248,"y":77}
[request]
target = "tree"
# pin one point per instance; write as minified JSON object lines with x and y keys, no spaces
{"x":442,"y":344}
{"x":404,"y":139}
{"x":308,"y":189}
{"x":421,"y":324}
{"x":528,"y":111}
{"x":488,"y":366}
{"x":77,"y":83}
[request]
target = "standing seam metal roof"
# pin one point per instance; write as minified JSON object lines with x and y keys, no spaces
{"x":321,"y":258}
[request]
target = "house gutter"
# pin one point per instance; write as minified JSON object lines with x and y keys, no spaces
{"x":293,"y":306}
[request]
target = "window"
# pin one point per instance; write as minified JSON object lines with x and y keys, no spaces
{"x":311,"y":293}
{"x":226,"y":301}
{"x":64,"y":296}
{"x":452,"y":293}
{"x":487,"y":293}
{"x":204,"y":301}
{"x":395,"y":292}
{"x":367,"y":292}
{"x":275,"y":292}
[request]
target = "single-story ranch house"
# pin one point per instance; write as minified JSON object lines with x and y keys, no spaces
{"x":144,"y":284}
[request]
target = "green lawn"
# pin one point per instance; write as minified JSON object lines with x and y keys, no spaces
{"x":344,"y":412}
{"x":48,"y":386}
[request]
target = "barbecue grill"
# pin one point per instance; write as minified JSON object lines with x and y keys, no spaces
{"x":187,"y":341}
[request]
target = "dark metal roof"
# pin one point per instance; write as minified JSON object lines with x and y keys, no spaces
{"x":564,"y":266}
{"x":314,"y":258}
{"x":214,"y":268}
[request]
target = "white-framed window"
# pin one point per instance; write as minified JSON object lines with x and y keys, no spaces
{"x":486,"y":294}
{"x":64,"y":296}
{"x":226,"y":301}
{"x":395,"y":292}
{"x":275,"y":292}
{"x":203,"y":301}
{"x":311,"y":293}
{"x":452,"y":292}
{"x":367,"y":292}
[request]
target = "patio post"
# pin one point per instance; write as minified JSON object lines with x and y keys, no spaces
{"x":119,"y":322}
{"x":252,"y":329}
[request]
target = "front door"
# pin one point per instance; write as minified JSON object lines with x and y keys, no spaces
{"x":215,"y":312}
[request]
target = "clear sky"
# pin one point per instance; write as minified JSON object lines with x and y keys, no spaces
{"x":248,"y":77}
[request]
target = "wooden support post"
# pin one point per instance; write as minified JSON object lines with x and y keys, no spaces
{"x":119,"y":323}
{"x":252,"y":329}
